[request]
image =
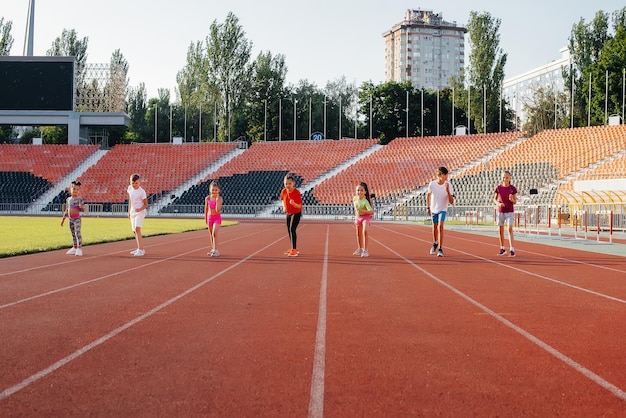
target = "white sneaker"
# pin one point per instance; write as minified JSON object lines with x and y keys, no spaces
{"x":358,"y":252}
{"x":139,"y":253}
{"x":71,"y":251}
{"x":78,"y":252}
{"x":134,"y":251}
{"x":215,"y":253}
{"x":364,"y":253}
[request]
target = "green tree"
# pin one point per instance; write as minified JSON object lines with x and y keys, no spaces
{"x":266,"y":88}
{"x":341,"y":99}
{"x":545,"y":109}
{"x":6,"y":40}
{"x":485,"y":72}
{"x":585,"y":44}
{"x":229,"y":70}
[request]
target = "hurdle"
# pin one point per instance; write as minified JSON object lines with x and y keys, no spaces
{"x":604,"y":218}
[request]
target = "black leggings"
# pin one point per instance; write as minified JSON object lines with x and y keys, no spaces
{"x":293,"y":219}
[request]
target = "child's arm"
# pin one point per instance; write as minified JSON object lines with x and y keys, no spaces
{"x":145,"y":205}
{"x":496,"y":201}
{"x":450,"y":195}
{"x":218,"y":205}
{"x":513,"y":198}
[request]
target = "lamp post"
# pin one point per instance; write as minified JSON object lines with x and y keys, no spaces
{"x":156,"y":117}
{"x":265,"y":122}
{"x":295,"y":102}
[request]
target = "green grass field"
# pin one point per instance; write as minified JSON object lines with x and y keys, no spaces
{"x":24,"y":234}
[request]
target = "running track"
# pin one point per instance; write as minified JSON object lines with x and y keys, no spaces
{"x":254,"y":333}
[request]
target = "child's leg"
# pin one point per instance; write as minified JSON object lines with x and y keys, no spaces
{"x":79,"y":236}
{"x":216,"y":229}
{"x":359,"y":236}
{"x":138,"y":237}
{"x":365,"y":235}
{"x":435,"y":232}
{"x":293,"y":226}
{"x":501,"y":235}
{"x":511,"y":239}
{"x":73,"y":232}
{"x":441,"y":234}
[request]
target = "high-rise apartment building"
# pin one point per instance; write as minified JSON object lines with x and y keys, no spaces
{"x":424,"y":49}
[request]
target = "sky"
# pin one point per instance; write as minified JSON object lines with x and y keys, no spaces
{"x":322,"y":41}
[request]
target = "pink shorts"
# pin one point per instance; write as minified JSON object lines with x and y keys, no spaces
{"x":362,"y":219}
{"x":215,"y":219}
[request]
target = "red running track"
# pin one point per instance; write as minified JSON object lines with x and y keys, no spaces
{"x":254,"y":333}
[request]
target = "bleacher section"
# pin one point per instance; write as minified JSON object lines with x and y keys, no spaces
{"x":255,"y":189}
{"x":406,"y":164}
{"x":306,"y":159}
{"x":328,"y":170}
{"x":161,"y":166}
{"x":546,"y":158}
{"x":27,"y":171}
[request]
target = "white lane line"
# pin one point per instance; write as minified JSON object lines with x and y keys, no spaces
{"x":76,"y":354}
{"x":537,"y":275}
{"x":117,"y":273}
{"x":530,"y":337}
{"x":316,"y":401}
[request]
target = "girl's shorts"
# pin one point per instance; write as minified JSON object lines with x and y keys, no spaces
{"x":506,"y":218}
{"x":215,"y":219}
{"x":362,"y":219}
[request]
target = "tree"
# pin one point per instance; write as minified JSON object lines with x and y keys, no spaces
{"x":585,"y":44}
{"x":137,"y":108}
{"x":227,"y":63}
{"x":341,"y":100}
{"x":545,"y":109}
{"x":266,"y":88}
{"x":485,"y":72}
{"x":6,"y":40}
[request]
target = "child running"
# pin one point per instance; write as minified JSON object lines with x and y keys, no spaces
{"x":505,"y":197}
{"x":364,"y":212}
{"x":212,"y":215}
{"x":73,"y":207}
{"x":438,"y":196}
{"x":137,"y":205}
{"x":292,"y":205}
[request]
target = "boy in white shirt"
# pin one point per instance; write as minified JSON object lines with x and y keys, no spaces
{"x":137,"y":205}
{"x":438,"y":196}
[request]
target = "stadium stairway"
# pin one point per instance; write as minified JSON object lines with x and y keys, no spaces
{"x":153,"y":210}
{"x":64,"y":183}
{"x":277,"y":205}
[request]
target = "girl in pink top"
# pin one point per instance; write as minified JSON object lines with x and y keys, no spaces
{"x":212,"y":216}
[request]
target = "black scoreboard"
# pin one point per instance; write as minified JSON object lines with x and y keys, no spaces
{"x":37,"y":83}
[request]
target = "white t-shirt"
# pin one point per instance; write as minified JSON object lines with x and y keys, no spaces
{"x":438,"y":196}
{"x":135,"y":198}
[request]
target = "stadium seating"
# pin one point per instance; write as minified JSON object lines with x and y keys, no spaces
{"x":406,"y":164}
{"x":162,"y":167}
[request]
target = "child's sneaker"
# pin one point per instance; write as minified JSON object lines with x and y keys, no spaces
{"x":358,"y":252}
{"x":134,"y":251}
{"x":139,"y":253}
{"x":79,"y":252}
{"x":294,"y":253}
{"x":364,"y":253}
{"x":440,"y":253}
{"x":71,"y":251}
{"x":433,"y":249}
{"x":512,"y":253}
{"x":215,"y":253}
{"x":502,"y":251}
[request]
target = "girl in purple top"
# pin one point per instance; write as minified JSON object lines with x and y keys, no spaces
{"x":505,"y":198}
